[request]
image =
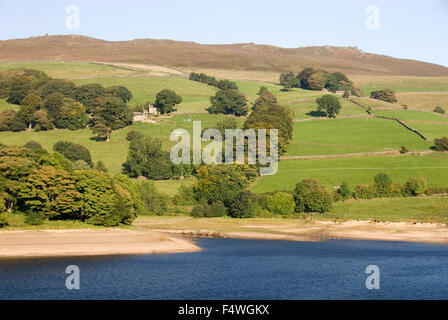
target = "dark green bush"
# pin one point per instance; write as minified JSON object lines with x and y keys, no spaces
{"x":131,"y":135}
{"x":34,"y":218}
{"x":243,"y":205}
{"x":365,"y":192}
{"x":200,"y":209}
{"x":154,"y":202}
{"x":311,"y":195}
{"x":3,"y":220}
{"x":415,"y":186}
{"x":441,"y":144}
{"x":397,"y":190}
{"x":73,"y":151}
{"x":184,"y":197}
{"x":439,"y":110}
{"x":281,"y":203}
{"x":100,"y":166}
{"x":434,"y":190}
{"x":384,"y":95}
{"x":147,"y":158}
{"x":382,"y":184}
{"x":344,"y":191}
{"x":404,"y":150}
{"x":80,"y":165}
{"x":33,"y":145}
{"x":17,"y":125}
{"x":216,"y":209}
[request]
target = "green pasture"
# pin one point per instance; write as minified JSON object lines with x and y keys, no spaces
{"x":337,"y":136}
{"x":430,"y":130}
{"x":70,"y":70}
{"x":401,"y":83}
{"x":422,"y":209}
{"x":354,"y":171}
{"x":412,"y":115}
{"x":307,"y":109}
{"x":5,"y":105}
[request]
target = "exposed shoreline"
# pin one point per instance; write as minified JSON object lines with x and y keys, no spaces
{"x":20,"y":244}
{"x":317,"y":230}
{"x":88,"y":242}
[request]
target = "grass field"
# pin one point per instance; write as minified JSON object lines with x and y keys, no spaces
{"x":400,"y":83}
{"x":71,"y":70}
{"x":421,"y":209}
{"x":171,"y":187}
{"x":424,"y":100}
{"x":5,"y":105}
{"x":307,"y":109}
{"x":430,"y":130}
{"x":412,"y":115}
{"x":356,"y":171}
{"x":375,"y":104}
{"x":338,"y":136}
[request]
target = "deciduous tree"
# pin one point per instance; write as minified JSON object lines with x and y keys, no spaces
{"x":166,"y":100}
{"x":329,"y":104}
{"x":228,"y":102}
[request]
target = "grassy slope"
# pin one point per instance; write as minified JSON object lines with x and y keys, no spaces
{"x":311,"y":138}
{"x":424,"y":101}
{"x":356,"y":171}
{"x":430,"y":130}
{"x":5,"y":105}
{"x":337,"y":136}
{"x":421,"y":209}
{"x":412,"y":115}
{"x":304,"y":109}
{"x":70,"y":70}
{"x":112,"y":153}
{"x":401,"y":84}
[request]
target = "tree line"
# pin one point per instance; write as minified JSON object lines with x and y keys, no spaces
{"x":316,"y":79}
{"x":47,"y":103}
{"x":222,"y":190}
{"x":212,"y":81}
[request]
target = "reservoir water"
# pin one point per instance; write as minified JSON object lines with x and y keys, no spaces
{"x":241,"y":269}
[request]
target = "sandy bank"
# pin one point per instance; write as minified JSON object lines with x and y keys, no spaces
{"x":323,"y":230}
{"x":89,"y":242}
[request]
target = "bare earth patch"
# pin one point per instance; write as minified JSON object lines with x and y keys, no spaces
{"x":55,"y":243}
{"x":299,"y":230}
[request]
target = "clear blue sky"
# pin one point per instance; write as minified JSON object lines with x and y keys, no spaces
{"x":408,"y":28}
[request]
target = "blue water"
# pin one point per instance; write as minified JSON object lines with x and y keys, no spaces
{"x":241,"y":269}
